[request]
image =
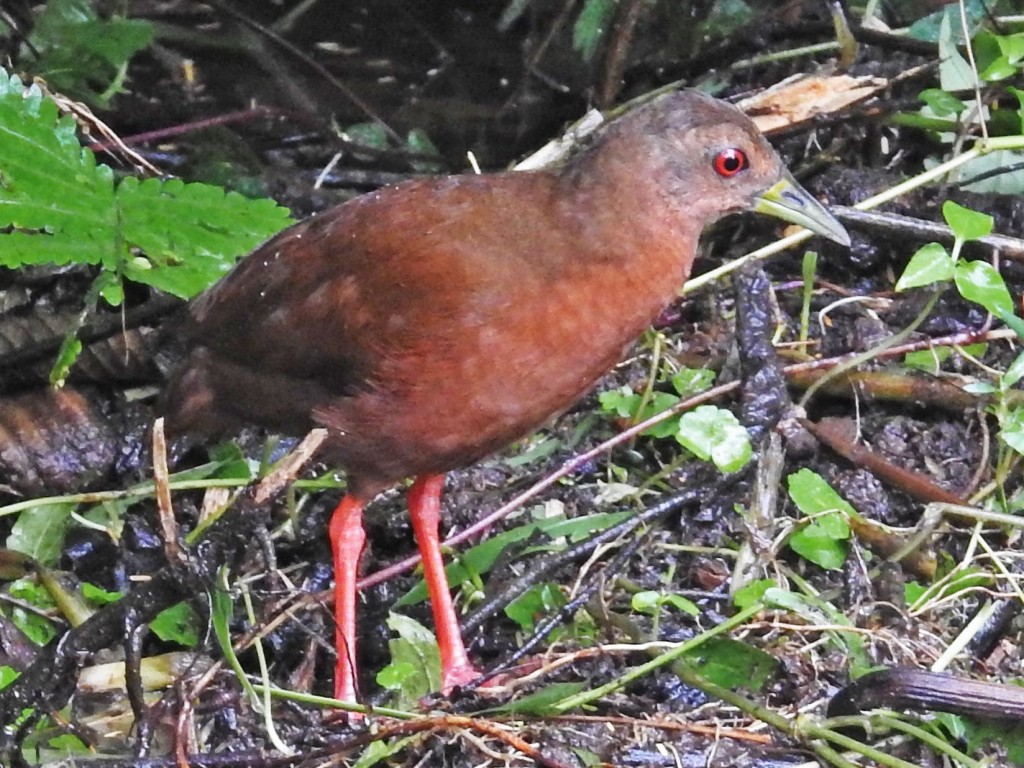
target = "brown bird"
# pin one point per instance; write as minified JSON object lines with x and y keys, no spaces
{"x":431,"y":323}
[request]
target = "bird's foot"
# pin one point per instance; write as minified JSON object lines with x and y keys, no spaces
{"x":458,"y":676}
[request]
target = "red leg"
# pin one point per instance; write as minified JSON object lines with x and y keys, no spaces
{"x":425,"y":511}
{"x":347,"y":539}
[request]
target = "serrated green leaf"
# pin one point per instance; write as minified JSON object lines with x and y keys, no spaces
{"x":82,"y":54}
{"x":57,"y":206}
{"x":190,"y":234}
{"x":931,"y":264}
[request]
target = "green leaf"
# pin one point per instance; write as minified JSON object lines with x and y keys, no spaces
{"x":714,"y":433}
{"x":980,"y":282}
{"x":82,"y":54}
{"x":36,"y":628}
{"x":733,"y":664}
{"x":691,"y":381}
{"x":372,"y":135}
{"x":543,"y":702}
{"x":540,"y":600}
{"x":588,"y":758}
{"x":190,"y":235}
{"x":753,"y":593}
{"x":231,"y":462}
{"x":999,"y":173}
{"x":70,"y":349}
{"x":955,"y":73}
{"x":976,"y":734}
{"x":813,"y":495}
{"x":591,"y":26}
{"x":39,"y":532}
{"x":651,"y":602}
{"x":965,"y":223}
{"x":7,"y":675}
{"x":912,"y":591}
{"x":415,"y":668}
{"x":394,"y":675}
{"x":177,"y":624}
{"x":1000,"y":69}
{"x":931,"y":264}
{"x":945,"y":23}
{"x":419,"y":142}
{"x":1014,"y":373}
{"x":817,"y":611}
{"x":942,"y":102}
{"x":979,"y":388}
{"x":1012,"y":47}
{"x":1019,"y":94}
{"x":479,"y":559}
{"x":1012,"y":432}
{"x":962,"y":580}
{"x":927,"y":360}
{"x":625,"y":404}
{"x":57,"y":206}
{"x":725,"y":18}
{"x":818,"y":544}
{"x":98,"y":595}
{"x":823,"y":540}
{"x":380,"y":750}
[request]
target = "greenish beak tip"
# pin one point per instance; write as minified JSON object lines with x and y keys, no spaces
{"x":787,"y":200}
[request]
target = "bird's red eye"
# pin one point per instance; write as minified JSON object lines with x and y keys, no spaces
{"x":730,"y":162}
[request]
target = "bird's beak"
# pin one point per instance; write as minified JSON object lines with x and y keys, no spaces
{"x":789,"y":201}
